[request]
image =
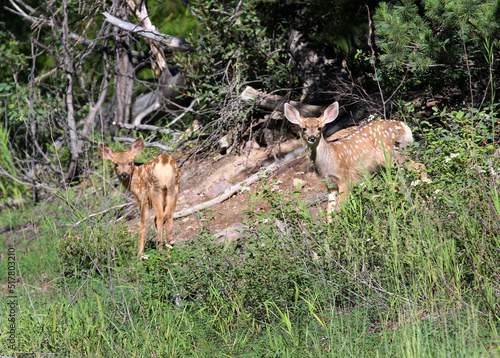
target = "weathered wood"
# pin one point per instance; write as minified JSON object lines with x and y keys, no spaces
{"x":262,"y":174}
{"x":148,"y":145}
{"x":174,"y":43}
{"x":141,"y":13}
{"x":274,"y":102}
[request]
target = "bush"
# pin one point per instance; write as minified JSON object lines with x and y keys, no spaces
{"x":266,"y":265}
{"x":83,"y":251}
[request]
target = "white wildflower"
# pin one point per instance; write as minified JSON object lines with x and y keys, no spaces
{"x":452,"y":155}
{"x":415,"y":183}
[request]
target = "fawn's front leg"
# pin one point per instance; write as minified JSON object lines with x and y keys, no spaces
{"x":332,"y":204}
{"x":336,"y":198}
{"x":344,"y":192}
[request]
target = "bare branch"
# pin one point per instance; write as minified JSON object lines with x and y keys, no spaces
{"x":274,"y":102}
{"x":174,"y":43}
{"x":17,"y":180}
{"x":153,"y":107}
{"x":141,"y":13}
{"x":263,"y":173}
{"x":148,"y":145}
{"x":145,"y":127}
{"x":100,"y":213}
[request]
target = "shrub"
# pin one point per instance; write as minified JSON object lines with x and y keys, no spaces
{"x":266,"y":265}
{"x":85,"y":250}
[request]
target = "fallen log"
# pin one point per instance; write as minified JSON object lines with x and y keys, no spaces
{"x":263,"y":173}
{"x":274,"y":102}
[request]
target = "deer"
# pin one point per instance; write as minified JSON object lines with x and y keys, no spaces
{"x":343,"y":162}
{"x":154,"y":184}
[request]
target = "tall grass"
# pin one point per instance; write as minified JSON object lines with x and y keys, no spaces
{"x":8,"y":186}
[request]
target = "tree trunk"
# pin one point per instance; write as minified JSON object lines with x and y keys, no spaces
{"x":124,"y":84}
{"x":68,"y":68}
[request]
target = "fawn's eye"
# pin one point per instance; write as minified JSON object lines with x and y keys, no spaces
{"x":319,"y":129}
{"x":304,"y":129}
{"x":130,"y":163}
{"x":116,"y":165}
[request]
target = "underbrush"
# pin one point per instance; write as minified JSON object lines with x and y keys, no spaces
{"x":87,"y":249}
{"x":408,"y":268}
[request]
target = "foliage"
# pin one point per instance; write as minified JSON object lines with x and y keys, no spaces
{"x":338,"y":26}
{"x":13,"y":80}
{"x":439,"y":38}
{"x":235,"y":44}
{"x":8,"y":186}
{"x":173,"y":18}
{"x":83,"y":251}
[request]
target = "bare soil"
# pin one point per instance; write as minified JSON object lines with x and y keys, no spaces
{"x":202,"y":180}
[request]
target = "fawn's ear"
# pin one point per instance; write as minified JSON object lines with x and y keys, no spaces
{"x":331,"y":113}
{"x":137,"y":147}
{"x":105,"y":152}
{"x":292,"y":114}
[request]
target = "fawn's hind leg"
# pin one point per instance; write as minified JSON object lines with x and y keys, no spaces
{"x":171,"y":202}
{"x":157,"y":202}
{"x":143,"y":227}
{"x":417,"y":167}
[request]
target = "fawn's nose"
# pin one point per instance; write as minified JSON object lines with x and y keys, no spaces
{"x":311,"y":139}
{"x":124,"y":175}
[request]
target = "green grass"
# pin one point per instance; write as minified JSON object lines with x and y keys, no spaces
{"x":409,"y":269}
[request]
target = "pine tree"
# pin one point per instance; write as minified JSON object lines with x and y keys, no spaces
{"x":417,"y":35}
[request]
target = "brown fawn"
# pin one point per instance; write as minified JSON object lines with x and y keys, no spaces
{"x":344,"y":161}
{"x":154,"y":183}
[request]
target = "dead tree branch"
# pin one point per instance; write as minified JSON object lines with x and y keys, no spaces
{"x":172,"y":42}
{"x":273,"y":102}
{"x":148,"y":145}
{"x":262,"y":174}
{"x":141,"y":13}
